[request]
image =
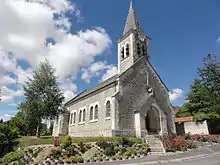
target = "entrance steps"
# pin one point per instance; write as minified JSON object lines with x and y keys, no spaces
{"x":155,"y":144}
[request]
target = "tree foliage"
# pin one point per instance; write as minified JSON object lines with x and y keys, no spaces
{"x":8,"y":136}
{"x":43,"y":97}
{"x":204,"y":96}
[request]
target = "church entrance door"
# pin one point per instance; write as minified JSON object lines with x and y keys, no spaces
{"x":152,"y":122}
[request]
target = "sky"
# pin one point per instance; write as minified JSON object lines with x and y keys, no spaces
{"x":79,"y":38}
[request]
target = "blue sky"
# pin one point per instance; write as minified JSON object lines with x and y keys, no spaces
{"x":182,"y":33}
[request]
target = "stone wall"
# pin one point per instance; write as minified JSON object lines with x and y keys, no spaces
{"x":133,"y":86}
{"x":196,"y":128}
{"x":162,"y":97}
{"x":132,"y":89}
{"x":100,"y":127}
{"x":60,"y":126}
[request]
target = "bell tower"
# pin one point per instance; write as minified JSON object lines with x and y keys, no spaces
{"x":133,"y":44}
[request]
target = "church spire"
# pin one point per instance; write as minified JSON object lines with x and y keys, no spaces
{"x":131,"y":22}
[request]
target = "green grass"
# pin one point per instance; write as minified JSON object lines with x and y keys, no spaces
{"x":109,"y":139}
{"x":33,"y":140}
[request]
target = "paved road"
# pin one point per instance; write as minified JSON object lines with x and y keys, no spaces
{"x":210,"y":160}
{"x":208,"y":155}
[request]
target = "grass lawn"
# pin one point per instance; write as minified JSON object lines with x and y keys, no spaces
{"x":33,"y":140}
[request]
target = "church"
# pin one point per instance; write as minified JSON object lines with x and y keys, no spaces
{"x":135,"y":102}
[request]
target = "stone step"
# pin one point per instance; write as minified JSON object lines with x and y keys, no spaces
{"x":156,"y":149}
{"x":153,"y":141}
{"x":155,"y":145}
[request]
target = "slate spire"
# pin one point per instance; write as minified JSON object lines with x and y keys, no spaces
{"x":131,"y":22}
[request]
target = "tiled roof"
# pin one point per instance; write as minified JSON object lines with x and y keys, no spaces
{"x":184,"y":119}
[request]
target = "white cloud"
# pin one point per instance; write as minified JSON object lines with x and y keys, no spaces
{"x":110,"y":72}
{"x":8,"y":95}
{"x":78,"y":51}
{"x":175,"y":94}
{"x":68,"y":95}
{"x":27,"y":26}
{"x":94,"y":70}
{"x":218,"y":40}
{"x":6,"y":80}
{"x":5,"y":117}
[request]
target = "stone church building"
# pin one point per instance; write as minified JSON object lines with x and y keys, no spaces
{"x":134,"y":102}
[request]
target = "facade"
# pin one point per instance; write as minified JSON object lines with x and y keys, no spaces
{"x":134,"y":102}
{"x":185,"y":125}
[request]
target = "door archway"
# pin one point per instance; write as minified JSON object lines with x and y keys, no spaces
{"x":152,"y":121}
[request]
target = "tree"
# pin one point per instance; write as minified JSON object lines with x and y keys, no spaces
{"x":43,"y":97}
{"x":204,"y":97}
{"x":1,"y":121}
{"x":24,"y":125}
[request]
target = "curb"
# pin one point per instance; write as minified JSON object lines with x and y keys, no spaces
{"x":201,"y":156}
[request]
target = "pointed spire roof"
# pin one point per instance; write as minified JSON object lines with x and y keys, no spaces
{"x":131,"y":22}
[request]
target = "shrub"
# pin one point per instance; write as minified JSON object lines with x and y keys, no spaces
{"x":70,"y":151}
{"x":74,"y":159}
{"x":82,"y":147}
{"x":126,"y":142}
{"x":67,"y":141}
{"x":56,"y":153}
{"x":101,"y":143}
{"x":130,"y":152}
{"x":109,"y":150}
{"x":116,"y":148}
{"x":12,"y":156}
{"x":36,"y":152}
{"x":175,"y":143}
{"x":123,"y":150}
{"x":8,"y":137}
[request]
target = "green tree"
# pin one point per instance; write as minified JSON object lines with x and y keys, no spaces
{"x":24,"y":124}
{"x":43,"y":97}
{"x":1,"y":121}
{"x":184,"y":111}
{"x":204,"y":97}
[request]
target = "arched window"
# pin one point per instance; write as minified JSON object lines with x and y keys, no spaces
{"x":84,"y":115}
{"x":127,"y":50}
{"x":80,"y":116}
{"x":143,"y":50}
{"x":74,"y":118}
{"x":91,"y":113}
{"x":108,"y":109}
{"x":96,"y":112}
{"x":138,"y":49}
{"x":122,"y":53}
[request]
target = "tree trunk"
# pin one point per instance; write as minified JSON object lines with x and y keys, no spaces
{"x":38,"y":130}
